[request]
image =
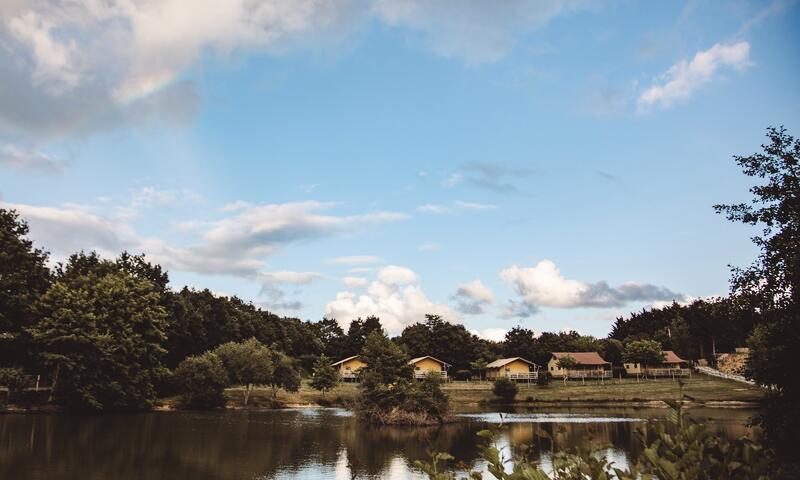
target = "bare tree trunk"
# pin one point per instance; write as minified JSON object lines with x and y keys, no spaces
{"x":55,"y":382}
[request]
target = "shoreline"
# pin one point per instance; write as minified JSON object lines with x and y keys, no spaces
{"x":588,"y":404}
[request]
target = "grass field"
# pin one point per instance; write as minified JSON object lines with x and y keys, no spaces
{"x":700,"y":389}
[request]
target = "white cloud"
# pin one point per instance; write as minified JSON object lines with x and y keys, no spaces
{"x":394,"y":275}
{"x":394,"y":297}
{"x":493,"y":334}
{"x":234,"y":206}
{"x":68,"y":229}
{"x":28,"y":159}
{"x":453,"y":180}
{"x":236,"y":245}
{"x":488,"y":176}
{"x":431,"y":208}
{"x":429,"y":247}
{"x":543,"y":286}
{"x":457,"y":205}
{"x":290,"y":277}
{"x":354,"y":260}
{"x":355,"y":282}
{"x":472,"y":297}
{"x":685,"y":77}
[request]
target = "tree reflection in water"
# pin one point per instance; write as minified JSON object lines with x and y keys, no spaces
{"x":324,"y":443}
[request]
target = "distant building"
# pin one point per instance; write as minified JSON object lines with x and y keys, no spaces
{"x":349,"y":367}
{"x":425,"y":365}
{"x":514,"y":368}
{"x":672,"y":365}
{"x":589,"y":365}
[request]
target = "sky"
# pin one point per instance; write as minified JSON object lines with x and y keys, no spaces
{"x":551,"y":164}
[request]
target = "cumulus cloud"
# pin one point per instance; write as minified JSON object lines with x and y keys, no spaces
{"x":493,"y":334}
{"x":394,"y":296}
{"x":85,"y":66}
{"x":543,"y":286}
{"x":29,"y":159}
{"x":472,"y":297}
{"x":355,"y":282}
{"x":685,"y":77}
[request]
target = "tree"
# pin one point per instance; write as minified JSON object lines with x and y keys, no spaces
{"x":519,"y":342}
{"x":505,"y":389}
{"x":102,"y":336}
{"x":480,"y":366}
{"x":643,"y":352}
{"x":772,"y":282}
{"x":247,"y":363}
{"x":567,"y":363}
{"x":386,"y":362}
{"x":326,"y":377}
{"x":24,"y":277}
{"x":331,"y":335}
{"x":357,"y":334}
{"x":202,"y":380}
{"x":284,"y":374}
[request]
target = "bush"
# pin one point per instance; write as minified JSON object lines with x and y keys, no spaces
{"x":543,"y":379}
{"x":505,"y":389}
{"x":202,"y":379}
{"x":14,"y":379}
{"x":462,"y":375}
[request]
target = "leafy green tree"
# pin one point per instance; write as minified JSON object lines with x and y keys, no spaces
{"x":202,"y":380}
{"x":102,"y":336}
{"x":772,"y":282}
{"x":247,"y":363}
{"x":479,"y":365}
{"x":24,"y":277}
{"x":357,"y":334}
{"x":643,"y":352}
{"x":505,"y":389}
{"x":332,"y":337}
{"x":326,"y":377}
{"x":612,"y":350}
{"x":386,"y":362}
{"x":567,"y":363}
{"x":519,"y":342}
{"x":284,"y":374}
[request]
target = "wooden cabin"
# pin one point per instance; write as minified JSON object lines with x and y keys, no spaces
{"x":514,"y":368}
{"x":349,"y":368}
{"x":589,"y":365}
{"x":672,"y":366}
{"x":425,"y":365}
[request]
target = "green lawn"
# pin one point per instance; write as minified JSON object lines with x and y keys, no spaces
{"x":699,"y":388}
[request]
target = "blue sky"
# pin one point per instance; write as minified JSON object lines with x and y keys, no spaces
{"x":551,"y":164}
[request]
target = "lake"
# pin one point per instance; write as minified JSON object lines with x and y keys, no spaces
{"x":313,"y":443}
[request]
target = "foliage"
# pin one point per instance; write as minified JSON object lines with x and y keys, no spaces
{"x":14,"y":379}
{"x":326,"y":376}
{"x":24,"y":277}
{"x":357,"y":334}
{"x":567,"y":362}
{"x":505,"y":389}
{"x":284,"y":374}
{"x":246,"y":363}
{"x":772,"y":283}
{"x":543,"y":379}
{"x":388,"y":393}
{"x":101,"y":337}
{"x":643,"y":352}
{"x":519,"y":342}
{"x":452,"y":343}
{"x":667,"y":452}
{"x":202,"y":380}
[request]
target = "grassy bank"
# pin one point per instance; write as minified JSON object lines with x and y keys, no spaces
{"x":700,"y":389}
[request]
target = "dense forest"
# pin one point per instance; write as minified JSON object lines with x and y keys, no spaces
{"x":109,"y":333}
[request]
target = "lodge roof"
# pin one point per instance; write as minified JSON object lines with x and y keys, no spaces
{"x":583,"y":358}
{"x":418,"y":359}
{"x":505,"y":361}
{"x":671,"y":357}
{"x":344,"y":360}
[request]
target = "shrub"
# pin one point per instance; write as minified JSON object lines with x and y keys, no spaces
{"x":462,"y":375}
{"x":543,"y":379}
{"x":14,"y":379}
{"x":202,"y":380}
{"x":505,"y":389}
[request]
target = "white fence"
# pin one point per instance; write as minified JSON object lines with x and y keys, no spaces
{"x":717,"y":373}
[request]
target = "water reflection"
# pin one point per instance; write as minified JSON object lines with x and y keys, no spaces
{"x":313,"y":443}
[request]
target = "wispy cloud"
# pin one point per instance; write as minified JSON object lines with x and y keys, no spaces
{"x":29,"y":159}
{"x":488,"y":176}
{"x":686,"y":77}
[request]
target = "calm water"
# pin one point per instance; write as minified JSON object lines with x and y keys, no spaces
{"x":290,"y":444}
